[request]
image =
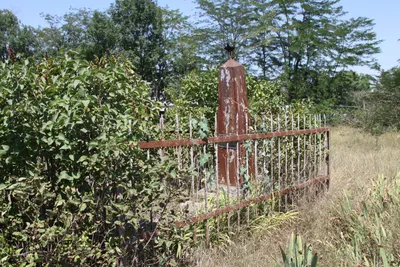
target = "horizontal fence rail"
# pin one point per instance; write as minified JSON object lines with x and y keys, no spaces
{"x":225,"y":139}
{"x":227,"y":181}
{"x":247,"y":203}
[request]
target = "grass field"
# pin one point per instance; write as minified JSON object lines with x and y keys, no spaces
{"x":354,"y":224}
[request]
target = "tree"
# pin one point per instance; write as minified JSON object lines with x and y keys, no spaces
{"x":140,"y":27}
{"x":101,"y":36}
{"x":312,"y":37}
{"x":260,"y":38}
{"x":91,"y":33}
{"x":9,"y":26}
{"x":181,"y":48}
{"x":303,"y":43}
{"x":26,"y":41}
{"x":381,"y":108}
{"x":66,"y":32}
{"x":389,"y":81}
{"x":223,"y":21}
{"x":21,"y":38}
{"x":52,"y":37}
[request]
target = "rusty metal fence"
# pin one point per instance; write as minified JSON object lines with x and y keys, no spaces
{"x":232,"y":179}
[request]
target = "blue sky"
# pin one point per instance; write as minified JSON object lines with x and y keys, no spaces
{"x":386,"y":14}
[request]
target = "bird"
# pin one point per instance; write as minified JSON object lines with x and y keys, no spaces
{"x":229,"y":49}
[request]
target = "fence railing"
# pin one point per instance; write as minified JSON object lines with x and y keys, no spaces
{"x":226,"y":181}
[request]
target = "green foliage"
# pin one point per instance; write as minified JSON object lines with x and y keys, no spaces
{"x":92,"y":33}
{"x":369,"y":227}
{"x":23,"y":39}
{"x":223,"y":22}
{"x":8,"y":30}
{"x":299,"y":255}
{"x":198,"y":95}
{"x":158,"y":41}
{"x":140,"y":31}
{"x":264,"y":96}
{"x":305,"y":44}
{"x":317,"y":45}
{"x":379,"y":111}
{"x":101,"y":36}
{"x":75,"y":189}
{"x":181,"y":48}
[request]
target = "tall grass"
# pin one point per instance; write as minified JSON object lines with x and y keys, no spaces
{"x":356,"y":223}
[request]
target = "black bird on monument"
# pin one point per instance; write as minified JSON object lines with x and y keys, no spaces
{"x":230,"y":49}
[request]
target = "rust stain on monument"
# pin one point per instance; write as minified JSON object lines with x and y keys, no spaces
{"x":233,"y":119}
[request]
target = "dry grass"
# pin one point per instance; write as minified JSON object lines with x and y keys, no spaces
{"x":357,"y":159}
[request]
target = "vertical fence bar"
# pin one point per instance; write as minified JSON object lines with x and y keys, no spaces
{"x":279,"y":162}
{"x":310,"y":151}
{"x":256,"y":180}
{"x":264,"y":147}
{"x":320,"y":144}
{"x":162,"y":135}
{"x":178,"y":136}
{"x":265,"y":168}
{"x":286,"y":142}
{"x":238,"y":172}
{"x":292,"y":180}
{"x":193,"y":193}
{"x":228,"y":196}
{"x":192,"y":156}
{"x":162,"y":152}
{"x":328,"y":158}
{"x":304,"y":150}
{"x":272,"y":156}
{"x":130,"y":132}
{"x":325,"y":146}
{"x":247,"y":170}
{"x":315,"y":148}
{"x":216,"y":173}
{"x":206,"y":197}
{"x":298,"y":151}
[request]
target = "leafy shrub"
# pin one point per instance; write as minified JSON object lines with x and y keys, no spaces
{"x":380,"y":110}
{"x":199,"y":95}
{"x":74,"y":187}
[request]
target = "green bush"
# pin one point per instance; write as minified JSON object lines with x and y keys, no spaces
{"x":380,"y":112}
{"x":380,"y":109}
{"x":198,"y":95}
{"x":74,"y":187}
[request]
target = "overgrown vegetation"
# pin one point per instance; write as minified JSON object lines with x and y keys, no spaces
{"x":198,"y":95}
{"x":368,"y":226}
{"x":380,"y":110}
{"x":305,"y":46}
{"x":76,"y":190}
{"x":74,"y":187}
{"x":364,"y":169}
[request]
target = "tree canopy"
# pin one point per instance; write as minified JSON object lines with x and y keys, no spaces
{"x":308,"y":46}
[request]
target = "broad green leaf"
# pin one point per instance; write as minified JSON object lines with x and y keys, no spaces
{"x":85,"y":103}
{"x":82,"y":158}
{"x":76,"y":83}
